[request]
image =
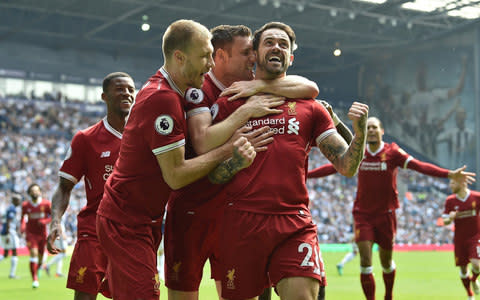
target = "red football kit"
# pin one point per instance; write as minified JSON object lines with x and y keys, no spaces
{"x":36,"y":227}
{"x":267,"y":226}
{"x":131,"y":211}
{"x":467,"y":226}
{"x":194,"y":211}
{"x":92,"y":155}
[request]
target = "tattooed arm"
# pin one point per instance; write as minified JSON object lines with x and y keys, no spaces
{"x":243,"y":156}
{"x":347,"y":158}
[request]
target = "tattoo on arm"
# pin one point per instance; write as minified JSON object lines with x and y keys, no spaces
{"x":225,"y":171}
{"x":345,"y":159}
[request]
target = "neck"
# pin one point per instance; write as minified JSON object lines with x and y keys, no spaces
{"x":116,"y":121}
{"x":373,"y":147}
{"x":176,"y":75}
{"x":223,"y":77}
{"x":462,"y":193}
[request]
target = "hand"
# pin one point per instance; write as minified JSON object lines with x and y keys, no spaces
{"x":242,"y":89}
{"x":262,"y":105}
{"x":258,"y":138}
{"x":243,"y":153}
{"x":358,"y":113}
{"x":461,"y":176}
{"x":55,"y":234}
{"x":329,"y":108}
{"x":452,"y":215}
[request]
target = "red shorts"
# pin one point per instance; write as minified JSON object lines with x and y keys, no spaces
{"x":379,"y":228}
{"x":132,"y":258}
{"x":190,"y":239}
{"x":36,"y":241}
{"x":466,"y":250}
{"x":87,"y":266}
{"x":259,"y":250}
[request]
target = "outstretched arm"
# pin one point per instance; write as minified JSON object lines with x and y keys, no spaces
{"x":290,"y":86}
{"x":322,"y":171}
{"x":347,"y":158}
{"x":60,"y":200}
{"x":433,"y":170}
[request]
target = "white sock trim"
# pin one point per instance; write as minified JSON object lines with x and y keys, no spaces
{"x":464,"y":275}
{"x":366,"y":270}
{"x":34,"y":260}
{"x":391,"y":269}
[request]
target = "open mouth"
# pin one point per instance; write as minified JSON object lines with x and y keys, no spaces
{"x":275,"y":59}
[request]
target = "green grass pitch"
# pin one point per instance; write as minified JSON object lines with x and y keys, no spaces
{"x":420,"y":275}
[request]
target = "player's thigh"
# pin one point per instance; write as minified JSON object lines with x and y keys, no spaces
{"x":298,"y":256}
{"x":245,"y":248}
{"x":132,"y":257}
{"x":298,"y":288}
{"x":189,"y":240}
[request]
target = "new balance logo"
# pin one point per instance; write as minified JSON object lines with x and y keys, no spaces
{"x":105,"y":154}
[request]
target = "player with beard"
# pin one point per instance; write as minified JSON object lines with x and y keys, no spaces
{"x":463,"y":208}
{"x":268,"y":236}
{"x":37,"y":209}
{"x":194,"y":212}
{"x":91,"y":155}
{"x":152,"y":163}
{"x":376,"y":201}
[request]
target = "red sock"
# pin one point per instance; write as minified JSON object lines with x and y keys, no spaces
{"x":466,"y":284}
{"x":389,"y":279}
{"x":33,"y":270}
{"x":368,"y":285}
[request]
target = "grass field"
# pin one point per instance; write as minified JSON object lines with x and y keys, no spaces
{"x":420,"y":275}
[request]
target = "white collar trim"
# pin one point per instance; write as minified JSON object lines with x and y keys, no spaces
{"x":170,"y":81}
{"x":382,"y":144}
{"x":111,"y":129}
{"x":217,"y":82}
{"x":465,"y":198}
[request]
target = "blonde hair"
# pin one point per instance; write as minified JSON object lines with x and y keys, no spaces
{"x":179,"y":36}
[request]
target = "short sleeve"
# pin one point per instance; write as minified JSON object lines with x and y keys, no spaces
{"x":323,"y":125}
{"x":73,"y":167}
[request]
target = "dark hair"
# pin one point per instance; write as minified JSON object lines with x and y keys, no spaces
{"x":30,"y":187}
{"x":223,"y":35}
{"x":110,"y":77}
{"x":282,"y":26}
{"x":179,"y":36}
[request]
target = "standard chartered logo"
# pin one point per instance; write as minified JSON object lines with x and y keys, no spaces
{"x":293,"y":126}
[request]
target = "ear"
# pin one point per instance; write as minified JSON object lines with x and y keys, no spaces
{"x":221,"y":54}
{"x":104,"y":97}
{"x":291,"y":59}
{"x":179,"y":57}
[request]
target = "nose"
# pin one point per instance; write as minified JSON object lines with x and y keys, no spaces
{"x":211,"y":62}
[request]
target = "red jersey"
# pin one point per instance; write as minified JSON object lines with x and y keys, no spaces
{"x":275,"y":182}
{"x":377,"y":179}
{"x":92,"y":155}
{"x":136,"y":193}
{"x":467,"y":226}
{"x":38,"y":216}
{"x":199,"y":193}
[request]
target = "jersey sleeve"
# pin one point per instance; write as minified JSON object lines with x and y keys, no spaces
{"x":323,"y":123}
{"x":448,"y":207}
{"x":163,"y":124}
{"x":196,"y":102}
{"x":223,"y":108}
{"x":73,"y":167}
{"x":400,"y":157}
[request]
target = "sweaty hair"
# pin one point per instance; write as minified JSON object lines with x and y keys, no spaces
{"x":223,"y":35}
{"x":179,"y":35}
{"x":111,"y":76}
{"x":30,"y":188}
{"x":279,"y":25}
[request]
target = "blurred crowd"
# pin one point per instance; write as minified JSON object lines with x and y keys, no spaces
{"x":35,"y":135}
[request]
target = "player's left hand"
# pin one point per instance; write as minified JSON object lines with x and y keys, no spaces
{"x":358,"y":113}
{"x":242,"y":89}
{"x":461,"y":176}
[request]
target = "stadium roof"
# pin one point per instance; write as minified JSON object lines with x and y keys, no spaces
{"x":114,"y":26}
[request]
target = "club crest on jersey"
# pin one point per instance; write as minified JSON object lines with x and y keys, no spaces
{"x":69,"y":153}
{"x":194,"y":96}
{"x":214,"y":111}
{"x":164,"y":124}
{"x":292,"y":108}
